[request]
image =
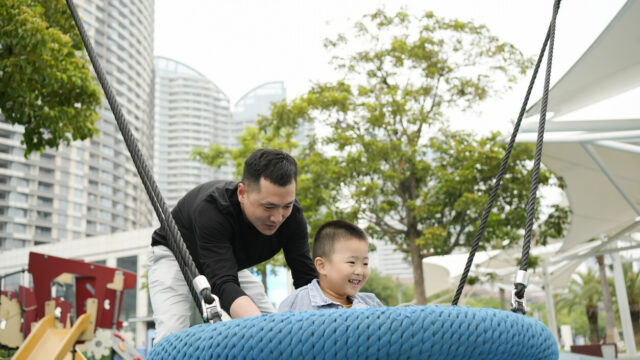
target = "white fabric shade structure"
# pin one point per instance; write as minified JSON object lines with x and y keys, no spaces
{"x":592,"y":140}
{"x":598,"y":159}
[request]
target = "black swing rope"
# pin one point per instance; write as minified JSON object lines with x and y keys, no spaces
{"x":520,"y":286}
{"x":176,"y":244}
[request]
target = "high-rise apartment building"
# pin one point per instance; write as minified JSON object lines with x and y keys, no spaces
{"x":257,"y":102}
{"x":391,"y":262}
{"x":190,"y":111}
{"x":90,"y":187}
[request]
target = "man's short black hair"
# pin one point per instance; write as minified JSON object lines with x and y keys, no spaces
{"x":276,"y":166}
{"x":332,"y":231}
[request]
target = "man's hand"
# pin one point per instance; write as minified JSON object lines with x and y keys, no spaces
{"x":244,"y":307}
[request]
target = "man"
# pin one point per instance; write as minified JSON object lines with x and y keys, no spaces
{"x":227,"y":228}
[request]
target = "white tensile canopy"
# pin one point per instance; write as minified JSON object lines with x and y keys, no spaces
{"x":592,"y":140}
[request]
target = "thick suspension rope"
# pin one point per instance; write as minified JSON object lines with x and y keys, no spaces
{"x":176,"y":244}
{"x":505,"y":161}
{"x":520,"y":286}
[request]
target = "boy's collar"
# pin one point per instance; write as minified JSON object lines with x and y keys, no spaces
{"x":318,"y":298}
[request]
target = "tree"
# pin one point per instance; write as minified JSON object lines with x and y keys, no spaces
{"x":388,"y":159}
{"x":45,"y":82}
{"x":387,"y":289}
{"x":584,"y":290}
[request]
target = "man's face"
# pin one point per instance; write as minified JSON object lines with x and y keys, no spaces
{"x":267,"y":206}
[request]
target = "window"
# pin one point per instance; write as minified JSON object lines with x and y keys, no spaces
{"x":62,"y":220}
{"x":19,"y":182}
{"x":18,"y":197}
{"x":105,"y":202}
{"x":45,"y":201}
{"x":105,"y":215}
{"x":43,"y":231}
{"x":44,"y":186}
{"x":48,"y":157}
{"x":78,"y":194}
{"x":129,"y":263}
{"x":17,"y":213}
{"x":43,"y":215}
{"x":47,"y":172}
{"x":106,"y":189}
{"x":63,"y":205}
{"x":16,"y":228}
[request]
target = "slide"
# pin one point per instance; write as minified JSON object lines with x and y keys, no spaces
{"x":47,"y":342}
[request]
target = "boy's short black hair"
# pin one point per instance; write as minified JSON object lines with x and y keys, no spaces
{"x":276,"y":166}
{"x":332,"y":231}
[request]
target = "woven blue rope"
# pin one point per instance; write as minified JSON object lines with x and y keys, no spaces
{"x":418,"y":332}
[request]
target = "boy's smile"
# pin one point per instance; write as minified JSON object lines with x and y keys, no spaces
{"x":346,"y":271}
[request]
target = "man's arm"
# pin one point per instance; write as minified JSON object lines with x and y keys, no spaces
{"x":244,"y":307}
{"x":213,"y":234}
{"x":297,"y":253}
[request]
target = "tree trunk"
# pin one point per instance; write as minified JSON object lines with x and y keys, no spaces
{"x":634,"y":309}
{"x":263,"y":275}
{"x":503,"y":301}
{"x":606,"y":299}
{"x":418,"y":275}
{"x":592,"y":317}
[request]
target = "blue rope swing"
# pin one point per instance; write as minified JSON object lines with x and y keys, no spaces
{"x":416,"y":332}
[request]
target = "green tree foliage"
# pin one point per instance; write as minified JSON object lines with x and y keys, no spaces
{"x":584,"y":291}
{"x":45,"y":82}
{"x":386,"y":156}
{"x":387,"y":289}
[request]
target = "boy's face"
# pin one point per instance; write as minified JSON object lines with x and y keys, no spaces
{"x":268,"y":206}
{"x":346,"y":271}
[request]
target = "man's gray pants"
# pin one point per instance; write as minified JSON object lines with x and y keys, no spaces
{"x":171,"y":300}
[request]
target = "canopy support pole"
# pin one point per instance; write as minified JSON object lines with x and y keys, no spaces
{"x":550,"y":305}
{"x":623,"y":305}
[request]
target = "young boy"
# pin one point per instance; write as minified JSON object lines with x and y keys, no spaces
{"x":341,"y":256}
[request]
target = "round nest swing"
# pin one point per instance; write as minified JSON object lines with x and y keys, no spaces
{"x":414,"y":332}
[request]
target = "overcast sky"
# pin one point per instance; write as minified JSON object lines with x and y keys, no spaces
{"x":242,"y":44}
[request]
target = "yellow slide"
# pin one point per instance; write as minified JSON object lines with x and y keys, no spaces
{"x":47,"y":342}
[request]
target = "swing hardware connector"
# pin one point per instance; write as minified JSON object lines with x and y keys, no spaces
{"x":518,"y":300}
{"x":210,"y":312}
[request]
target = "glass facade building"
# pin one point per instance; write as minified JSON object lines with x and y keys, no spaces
{"x":90,"y":187}
{"x":257,"y":102}
{"x":190,"y":111}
